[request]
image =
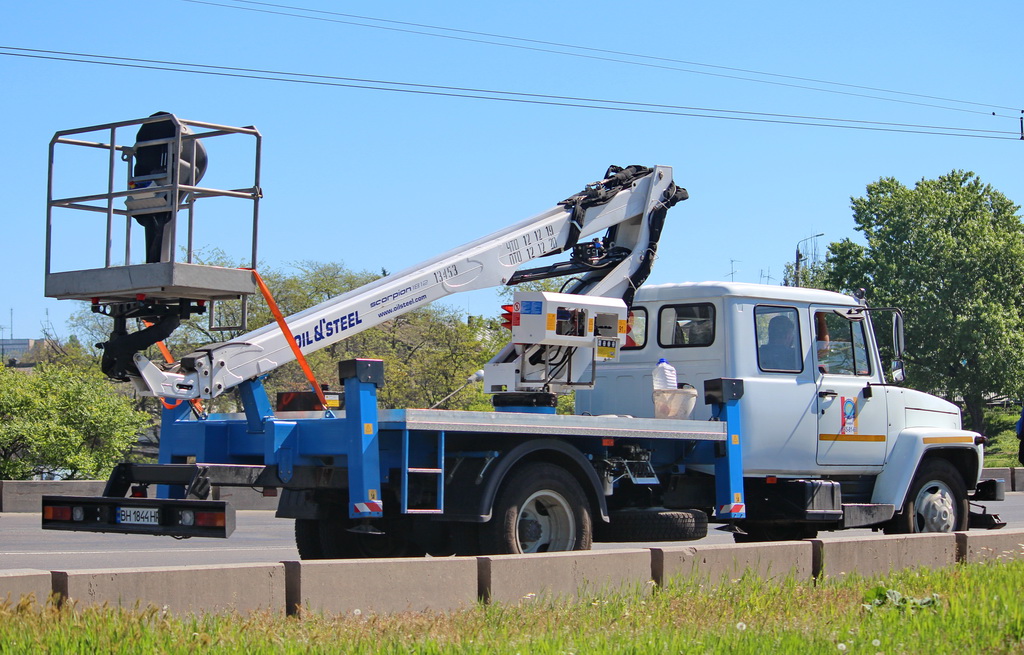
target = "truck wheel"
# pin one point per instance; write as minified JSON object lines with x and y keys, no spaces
{"x":633,"y":525}
{"x":307,"y":539}
{"x":540,"y":508}
{"x":760,"y":532}
{"x":936,"y":501}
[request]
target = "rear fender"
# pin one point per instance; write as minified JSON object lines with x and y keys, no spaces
{"x":466,"y":499}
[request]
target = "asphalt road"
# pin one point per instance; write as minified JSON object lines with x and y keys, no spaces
{"x":258,"y":537}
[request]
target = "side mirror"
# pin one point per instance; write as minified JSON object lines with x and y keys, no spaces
{"x":898,"y":345}
{"x":898,"y":372}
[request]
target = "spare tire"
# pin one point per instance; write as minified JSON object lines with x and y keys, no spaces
{"x":633,"y":525}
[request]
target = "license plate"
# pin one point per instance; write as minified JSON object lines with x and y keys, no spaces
{"x":138,"y":515}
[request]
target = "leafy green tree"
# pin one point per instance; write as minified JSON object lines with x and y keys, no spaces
{"x":67,"y":352}
{"x":950,"y":252}
{"x":66,"y":420}
{"x":813,"y":275}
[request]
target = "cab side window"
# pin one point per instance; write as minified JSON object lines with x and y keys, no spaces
{"x":778,"y":339}
{"x":840,"y":344}
{"x":636,"y":328}
{"x":686,"y":326}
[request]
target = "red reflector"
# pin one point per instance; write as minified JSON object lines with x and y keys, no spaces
{"x":210,"y":519}
{"x":508,"y":317}
{"x":771,"y":479}
{"x":52,"y":513}
{"x":607,"y":442}
{"x":270,"y":492}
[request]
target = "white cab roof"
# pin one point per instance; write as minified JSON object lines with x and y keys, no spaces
{"x":688,"y":290}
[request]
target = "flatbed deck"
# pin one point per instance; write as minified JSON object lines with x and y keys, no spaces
{"x":551,"y":425}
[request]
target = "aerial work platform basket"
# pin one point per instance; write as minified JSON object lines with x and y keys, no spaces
{"x":153,"y":169}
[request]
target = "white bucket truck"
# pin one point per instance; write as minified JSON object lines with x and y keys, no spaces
{"x":795,"y":429}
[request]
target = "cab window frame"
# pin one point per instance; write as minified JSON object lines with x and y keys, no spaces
{"x":859,"y":350}
{"x":759,"y":331}
{"x":637,"y":312}
{"x":712,"y":316}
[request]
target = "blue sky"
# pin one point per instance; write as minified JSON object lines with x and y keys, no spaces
{"x":384,"y":180}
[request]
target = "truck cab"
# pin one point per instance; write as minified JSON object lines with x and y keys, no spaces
{"x":817,"y":410}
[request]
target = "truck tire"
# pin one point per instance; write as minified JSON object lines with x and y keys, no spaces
{"x":540,"y":508}
{"x":936,"y":501}
{"x":761,"y":532}
{"x":633,"y":525}
{"x":307,"y":539}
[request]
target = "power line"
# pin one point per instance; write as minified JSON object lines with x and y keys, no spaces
{"x":495,"y":95}
{"x":612,"y":59}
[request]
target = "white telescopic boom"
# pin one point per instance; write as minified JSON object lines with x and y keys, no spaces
{"x":487,"y":262}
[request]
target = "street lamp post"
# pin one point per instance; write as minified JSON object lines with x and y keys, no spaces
{"x":796,"y":267}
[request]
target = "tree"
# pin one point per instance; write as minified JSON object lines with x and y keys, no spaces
{"x":950,"y":252}
{"x":813,"y":275}
{"x":69,"y":352}
{"x":64,"y":420}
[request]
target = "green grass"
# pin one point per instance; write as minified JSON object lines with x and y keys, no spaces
{"x":966,"y":609}
{"x":1001,"y":449}
{"x":1000,"y":428}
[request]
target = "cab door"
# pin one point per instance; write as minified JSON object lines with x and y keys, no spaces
{"x":852,"y":420}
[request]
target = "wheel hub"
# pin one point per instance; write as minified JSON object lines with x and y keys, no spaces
{"x":530,"y":530}
{"x":546,"y":523}
{"x":935,"y":509}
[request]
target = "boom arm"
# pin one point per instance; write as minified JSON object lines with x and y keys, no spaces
{"x":629,"y":204}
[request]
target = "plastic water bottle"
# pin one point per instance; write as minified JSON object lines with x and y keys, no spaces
{"x":664,"y":376}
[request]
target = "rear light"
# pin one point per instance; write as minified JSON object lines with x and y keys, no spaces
{"x":139,"y":491}
{"x":57,"y":513}
{"x":210,"y":519}
{"x":187,"y":517}
{"x":78,"y":513}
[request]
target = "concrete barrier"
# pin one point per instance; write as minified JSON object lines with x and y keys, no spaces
{"x":568,"y":575}
{"x":988,"y":545}
{"x":724,"y":562}
{"x":381,"y":586}
{"x":180,"y":589}
{"x":16,"y":584}
{"x":446,"y":584}
{"x":873,"y":556}
{"x":26,"y":495}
